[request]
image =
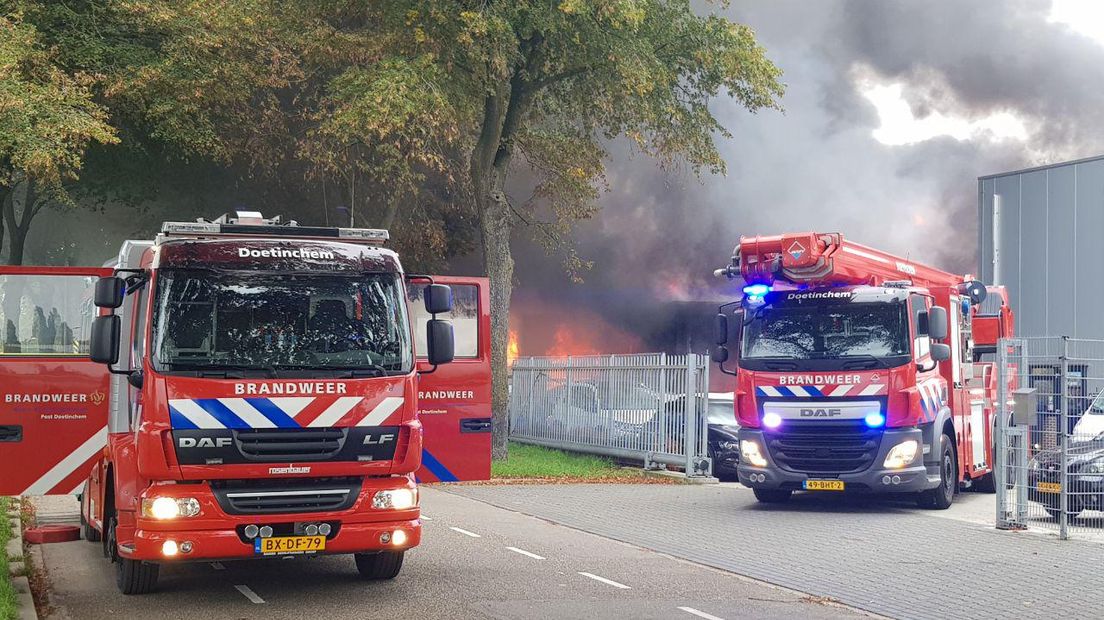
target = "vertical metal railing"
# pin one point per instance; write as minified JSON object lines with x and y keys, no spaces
{"x":649,"y":408}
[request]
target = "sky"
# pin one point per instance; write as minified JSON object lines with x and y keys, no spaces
{"x":892,"y":110}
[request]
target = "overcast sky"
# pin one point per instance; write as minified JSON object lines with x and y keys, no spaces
{"x":892,"y":111}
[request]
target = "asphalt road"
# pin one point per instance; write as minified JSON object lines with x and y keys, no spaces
{"x":476,"y":561}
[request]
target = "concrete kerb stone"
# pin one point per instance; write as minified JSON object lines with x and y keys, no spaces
{"x":22,"y":585}
{"x":26,"y":601}
{"x":681,"y":477}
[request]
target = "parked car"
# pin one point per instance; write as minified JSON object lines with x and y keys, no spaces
{"x":1086,"y":478}
{"x":724,"y":446}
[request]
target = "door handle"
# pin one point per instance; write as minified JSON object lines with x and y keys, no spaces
{"x":475,"y":425}
{"x":11,"y":433}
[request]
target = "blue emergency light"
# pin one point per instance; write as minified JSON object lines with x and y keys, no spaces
{"x":875,"y":420}
{"x":757,"y":290}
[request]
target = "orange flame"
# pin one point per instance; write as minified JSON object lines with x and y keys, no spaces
{"x":512,"y":348}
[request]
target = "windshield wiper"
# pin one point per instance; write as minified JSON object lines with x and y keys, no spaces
{"x":861,"y":360}
{"x":370,"y":370}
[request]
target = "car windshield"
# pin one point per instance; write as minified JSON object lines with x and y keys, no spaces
{"x":208,"y":320}
{"x":821,"y":331}
{"x":1097,"y":406}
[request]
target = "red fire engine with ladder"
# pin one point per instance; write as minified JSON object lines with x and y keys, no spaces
{"x":859,"y":371}
{"x":243,"y":388}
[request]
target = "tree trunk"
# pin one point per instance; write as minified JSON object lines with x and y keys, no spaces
{"x":18,"y":228}
{"x":502,"y":115}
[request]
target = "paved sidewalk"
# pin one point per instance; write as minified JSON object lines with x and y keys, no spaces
{"x":884,"y":557}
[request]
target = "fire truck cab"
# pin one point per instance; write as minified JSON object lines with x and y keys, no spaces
{"x":859,"y":371}
{"x":244,"y":388}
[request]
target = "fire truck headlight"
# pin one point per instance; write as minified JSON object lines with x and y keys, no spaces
{"x":164,"y":508}
{"x":1095,"y":467}
{"x":749,"y":451}
{"x":902,"y":454}
{"x":395,"y":499}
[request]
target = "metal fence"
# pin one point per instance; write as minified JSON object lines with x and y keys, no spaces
{"x":1050,"y":435}
{"x":624,"y":406}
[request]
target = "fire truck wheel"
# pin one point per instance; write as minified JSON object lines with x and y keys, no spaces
{"x":131,"y":576}
{"x":773,"y":496}
{"x":88,"y":532}
{"x":940,"y":498}
{"x":379,"y":566}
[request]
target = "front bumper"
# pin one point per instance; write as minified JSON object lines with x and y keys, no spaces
{"x":214,"y":534}
{"x":875,"y":479}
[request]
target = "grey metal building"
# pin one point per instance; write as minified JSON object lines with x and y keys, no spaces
{"x":1048,"y":245}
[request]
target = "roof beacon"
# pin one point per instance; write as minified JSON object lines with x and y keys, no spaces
{"x":253,"y":224}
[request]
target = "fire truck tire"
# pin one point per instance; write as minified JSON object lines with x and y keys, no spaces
{"x":88,"y":532}
{"x":131,"y":576}
{"x":773,"y":496}
{"x":379,"y":566}
{"x":941,"y":497}
{"x":986,"y":483}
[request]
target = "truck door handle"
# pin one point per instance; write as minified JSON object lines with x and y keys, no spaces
{"x":11,"y":433}
{"x":475,"y":425}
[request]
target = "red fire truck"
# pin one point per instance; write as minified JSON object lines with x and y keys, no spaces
{"x":859,"y":371}
{"x":244,"y":388}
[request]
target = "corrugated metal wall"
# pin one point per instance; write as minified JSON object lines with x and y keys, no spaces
{"x":1051,"y":233}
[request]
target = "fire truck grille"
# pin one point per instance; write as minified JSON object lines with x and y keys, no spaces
{"x":254,"y":497}
{"x":824,"y":448}
{"x":291,"y":444}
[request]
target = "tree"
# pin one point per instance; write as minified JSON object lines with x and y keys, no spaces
{"x":551,"y":83}
{"x":47,"y":120}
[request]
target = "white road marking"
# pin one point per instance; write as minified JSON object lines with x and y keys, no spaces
{"x":465,"y":532}
{"x":217,"y":566}
{"x":700,"y":614}
{"x":526,"y":553}
{"x":427,"y":518}
{"x":608,"y":582}
{"x":250,"y":594}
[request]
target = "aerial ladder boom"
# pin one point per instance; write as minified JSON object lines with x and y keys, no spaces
{"x":825,"y":258}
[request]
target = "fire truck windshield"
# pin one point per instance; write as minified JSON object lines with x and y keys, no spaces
{"x":269,"y":322}
{"x":827,"y":335}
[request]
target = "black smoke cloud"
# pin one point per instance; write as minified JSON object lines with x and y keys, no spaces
{"x":817,"y":166}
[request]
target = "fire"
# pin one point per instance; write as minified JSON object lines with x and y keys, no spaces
{"x":512,"y":348}
{"x":568,"y":342}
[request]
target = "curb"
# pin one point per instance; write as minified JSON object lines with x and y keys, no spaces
{"x":22,"y":585}
{"x":680,"y":477}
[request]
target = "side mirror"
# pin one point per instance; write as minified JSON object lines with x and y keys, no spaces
{"x":940,"y":352}
{"x":110,"y":292}
{"x":438,"y":298}
{"x":937,"y":322}
{"x":719,"y":354}
{"x":439,"y":341}
{"x":104,"y":340}
{"x":720,"y":330}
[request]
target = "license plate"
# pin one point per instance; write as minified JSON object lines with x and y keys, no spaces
{"x":823,"y":485}
{"x":1050,"y":487}
{"x":289,"y":544}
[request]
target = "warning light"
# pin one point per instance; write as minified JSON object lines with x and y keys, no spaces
{"x":874,"y":420}
{"x":772,"y":420}
{"x":757,"y":290}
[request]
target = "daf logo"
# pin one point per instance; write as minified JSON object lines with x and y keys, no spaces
{"x":369,"y":440}
{"x":204,"y":442}
{"x":821,"y":413}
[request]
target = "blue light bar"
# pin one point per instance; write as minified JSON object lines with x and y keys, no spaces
{"x":757,"y":290}
{"x":875,"y":420}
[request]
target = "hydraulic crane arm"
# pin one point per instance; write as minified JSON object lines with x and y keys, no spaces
{"x":825,"y":258}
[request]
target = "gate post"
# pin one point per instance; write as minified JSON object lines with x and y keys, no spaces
{"x":1000,"y":459}
{"x":1063,"y":427}
{"x":689,"y":414}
